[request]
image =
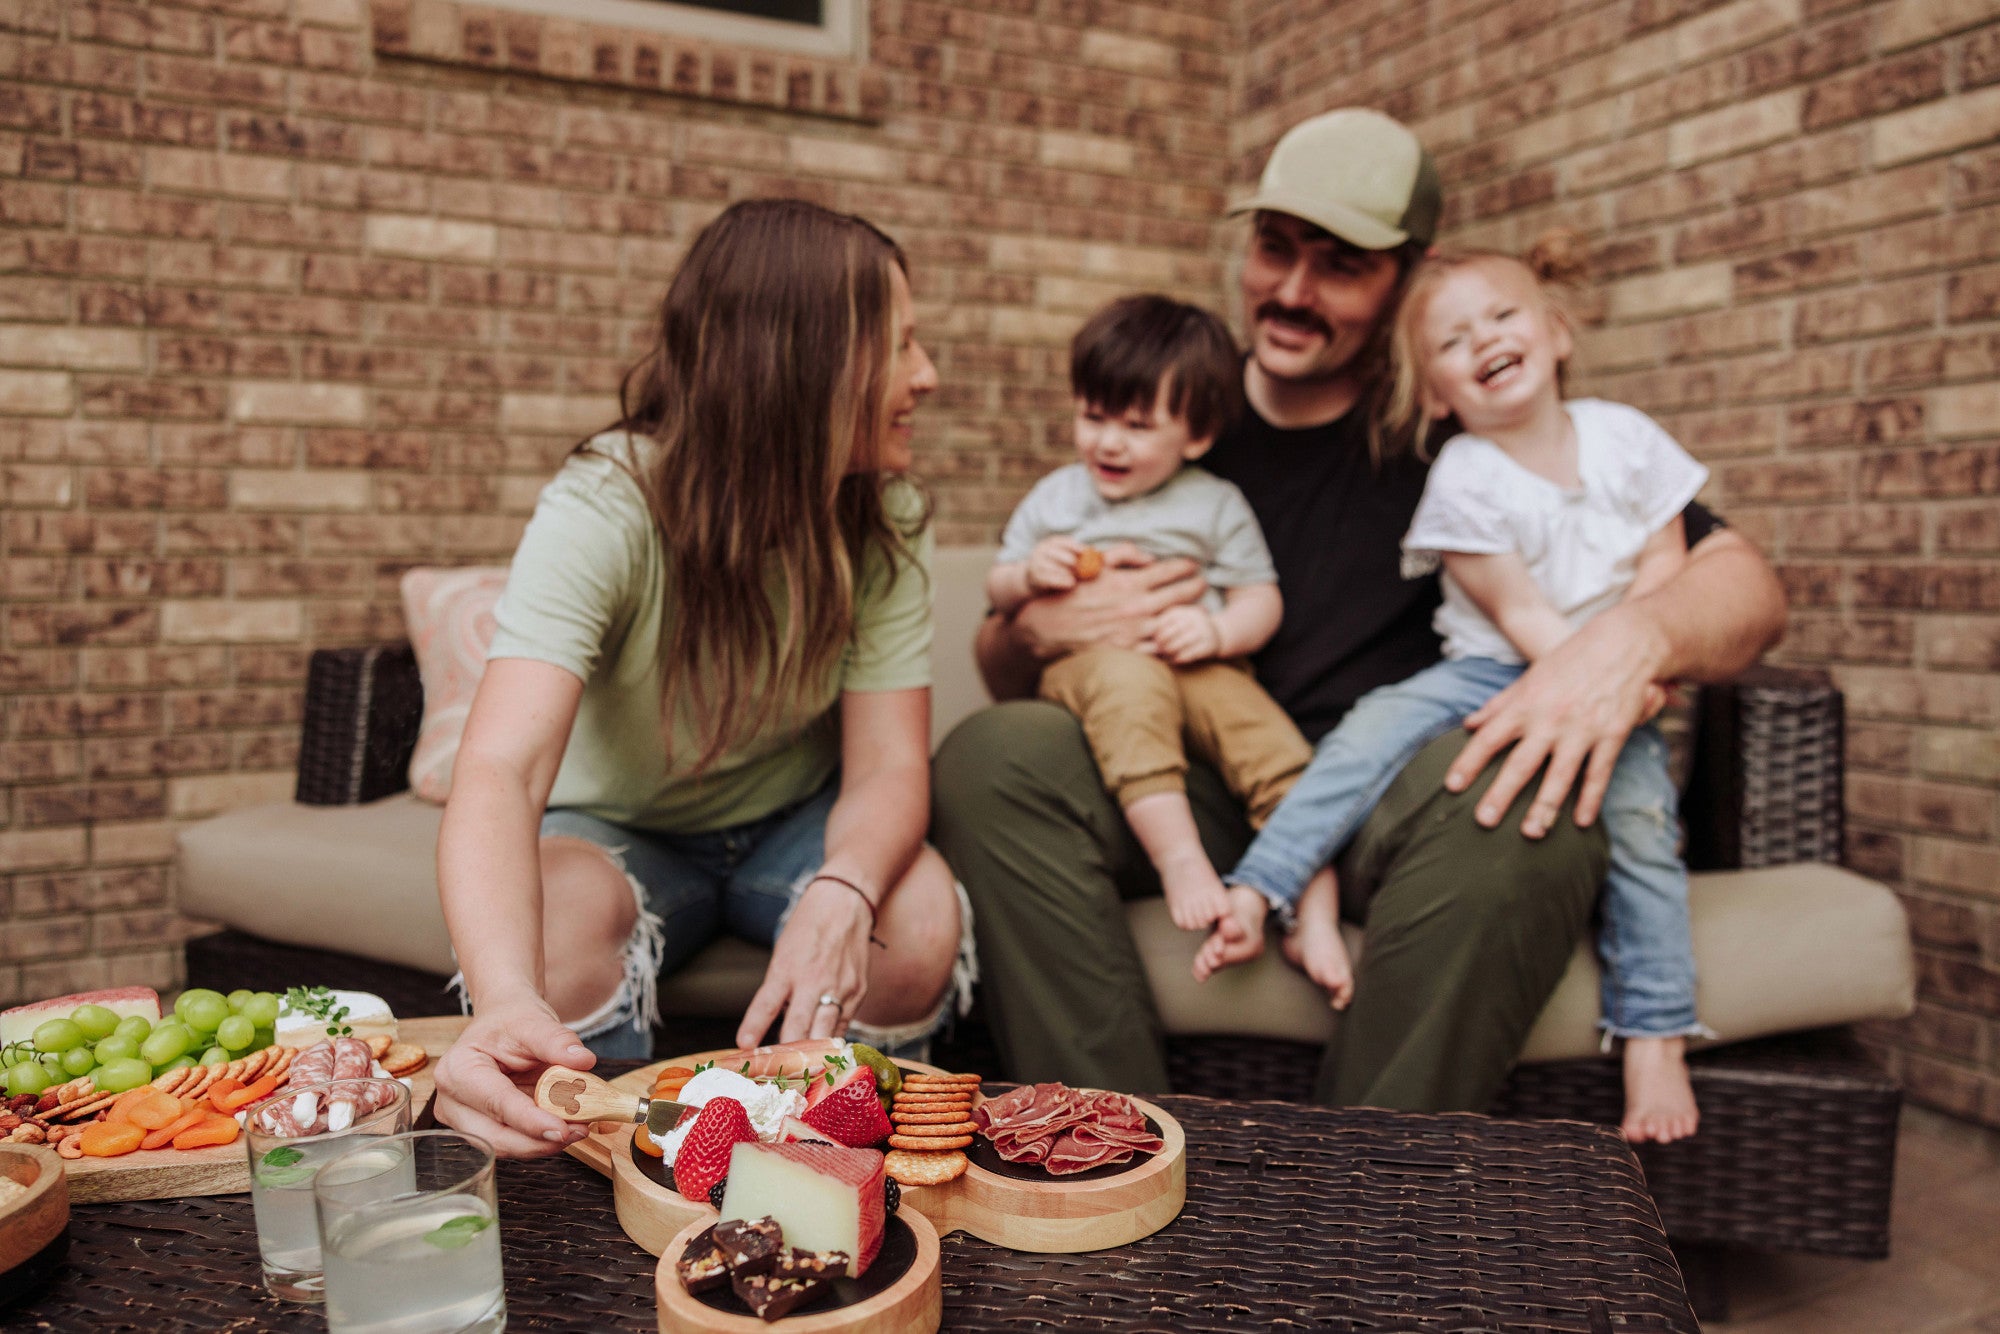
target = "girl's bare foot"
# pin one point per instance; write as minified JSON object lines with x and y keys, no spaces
{"x":1164,"y":825}
{"x":1316,"y":948}
{"x":1238,"y":936}
{"x":1659,"y":1096}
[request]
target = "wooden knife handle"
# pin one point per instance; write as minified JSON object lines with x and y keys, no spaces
{"x":575,"y":1095}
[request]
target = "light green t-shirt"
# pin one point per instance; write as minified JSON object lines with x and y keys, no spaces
{"x":587,"y":593}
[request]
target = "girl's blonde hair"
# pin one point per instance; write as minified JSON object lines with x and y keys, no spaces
{"x":1558,"y":259}
{"x":767,"y":390}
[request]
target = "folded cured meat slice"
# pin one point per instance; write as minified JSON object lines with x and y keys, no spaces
{"x":1064,"y":1130}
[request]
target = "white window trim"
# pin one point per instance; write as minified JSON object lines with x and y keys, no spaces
{"x":842,"y":33}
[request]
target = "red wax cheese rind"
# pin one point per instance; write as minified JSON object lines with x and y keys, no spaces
{"x":20,"y":1023}
{"x":824,"y":1196}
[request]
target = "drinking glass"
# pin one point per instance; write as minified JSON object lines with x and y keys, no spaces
{"x":411,"y":1235}
{"x":283,"y":1162}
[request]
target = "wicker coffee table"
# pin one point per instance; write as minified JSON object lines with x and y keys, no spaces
{"x":1343,"y":1220}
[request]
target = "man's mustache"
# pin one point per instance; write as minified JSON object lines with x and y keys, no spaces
{"x":1303,"y":319}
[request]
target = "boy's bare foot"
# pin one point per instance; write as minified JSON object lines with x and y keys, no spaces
{"x":1164,"y":825}
{"x":1659,"y":1096}
{"x":1316,"y":948}
{"x":1238,"y":936}
{"x":1195,"y":897}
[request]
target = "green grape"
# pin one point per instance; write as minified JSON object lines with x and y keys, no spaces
{"x":164,"y":1044}
{"x":194,"y":996}
{"x":261,"y":1009}
{"x":203,"y":1013}
{"x":27,"y":1077}
{"x":133,"y":1026}
{"x":239,"y":998}
{"x":263,"y":1038}
{"x":79,"y":1061}
{"x":12,"y":1055}
{"x":215,"y":1056}
{"x":178,"y":1063}
{"x":123,"y":1074}
{"x":58,"y":1036}
{"x":95,"y":1021}
{"x":53,"y":1064}
{"x":236,"y":1032}
{"x":117,"y":1047}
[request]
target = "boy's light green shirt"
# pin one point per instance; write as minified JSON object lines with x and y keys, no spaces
{"x":587,"y":593}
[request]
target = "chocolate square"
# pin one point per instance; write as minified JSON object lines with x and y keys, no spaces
{"x":702,"y":1267}
{"x":770,"y":1297}
{"x":750,"y":1247}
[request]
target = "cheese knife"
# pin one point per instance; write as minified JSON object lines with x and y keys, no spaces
{"x":577,"y":1095}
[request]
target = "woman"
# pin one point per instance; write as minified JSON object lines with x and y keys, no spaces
{"x":709,"y":687}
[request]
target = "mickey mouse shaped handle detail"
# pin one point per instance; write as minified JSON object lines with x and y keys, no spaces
{"x":575,"y":1095}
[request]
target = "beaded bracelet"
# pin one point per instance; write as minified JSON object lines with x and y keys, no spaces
{"x":874,"y":939}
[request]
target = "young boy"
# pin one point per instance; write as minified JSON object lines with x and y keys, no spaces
{"x":1155,"y":380}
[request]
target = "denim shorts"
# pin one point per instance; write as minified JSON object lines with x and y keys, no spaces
{"x":689,"y":888}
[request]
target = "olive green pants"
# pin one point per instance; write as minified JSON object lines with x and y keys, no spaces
{"x":1468,"y":929}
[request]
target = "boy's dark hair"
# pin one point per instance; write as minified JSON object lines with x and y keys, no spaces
{"x":1119,"y":359}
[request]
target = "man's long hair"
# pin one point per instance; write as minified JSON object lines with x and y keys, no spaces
{"x":766,"y":391}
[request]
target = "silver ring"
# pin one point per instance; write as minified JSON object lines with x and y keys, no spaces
{"x":827,"y":998}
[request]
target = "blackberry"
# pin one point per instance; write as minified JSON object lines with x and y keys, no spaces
{"x":715,"y":1192}
{"x":892,"y":1195}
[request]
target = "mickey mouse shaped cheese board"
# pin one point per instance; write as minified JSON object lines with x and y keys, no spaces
{"x":795,"y":1135}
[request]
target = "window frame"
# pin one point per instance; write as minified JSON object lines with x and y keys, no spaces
{"x":842,"y":33}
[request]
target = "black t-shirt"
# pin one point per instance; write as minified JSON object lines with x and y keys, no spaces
{"x":1335,"y":526}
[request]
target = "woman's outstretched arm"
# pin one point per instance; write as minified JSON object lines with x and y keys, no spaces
{"x":489,"y":880}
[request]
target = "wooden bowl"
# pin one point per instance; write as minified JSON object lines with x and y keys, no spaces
{"x":34,"y":1228}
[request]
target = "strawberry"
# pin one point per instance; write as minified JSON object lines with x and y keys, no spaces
{"x":851,"y":1114}
{"x":704,"y":1155}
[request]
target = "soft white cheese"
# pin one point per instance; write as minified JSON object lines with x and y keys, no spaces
{"x":767,"y":1105}
{"x":366,"y":1013}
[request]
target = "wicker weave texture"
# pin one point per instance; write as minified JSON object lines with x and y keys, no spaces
{"x":1335,"y":1220}
{"x":363,"y":709}
{"x":1767,"y":783}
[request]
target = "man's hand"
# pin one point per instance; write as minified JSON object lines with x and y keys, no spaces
{"x":1571,"y":710}
{"x":1115,"y":608}
{"x":1183,"y":635}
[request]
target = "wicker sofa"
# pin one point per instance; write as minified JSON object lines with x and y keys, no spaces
{"x":1797,"y":1145}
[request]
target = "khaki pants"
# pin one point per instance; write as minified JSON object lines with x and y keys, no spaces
{"x":1143,"y":717}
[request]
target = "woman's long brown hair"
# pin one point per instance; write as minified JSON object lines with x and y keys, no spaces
{"x":766,"y":390}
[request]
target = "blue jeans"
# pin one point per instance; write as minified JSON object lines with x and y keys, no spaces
{"x":690,"y":888}
{"x":1644,"y":942}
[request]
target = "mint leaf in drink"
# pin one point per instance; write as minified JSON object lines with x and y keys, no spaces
{"x":458,"y":1232}
{"x":282,"y":1157}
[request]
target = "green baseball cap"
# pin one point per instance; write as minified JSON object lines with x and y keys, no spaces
{"x":1357,"y":173}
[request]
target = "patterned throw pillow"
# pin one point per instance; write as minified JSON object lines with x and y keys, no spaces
{"x":449,"y":613}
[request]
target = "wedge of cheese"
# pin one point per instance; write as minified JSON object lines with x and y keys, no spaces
{"x":367,"y":1015}
{"x":826,"y":1197}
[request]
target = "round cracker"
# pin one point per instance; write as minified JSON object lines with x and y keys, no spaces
{"x":253,"y":1065}
{"x":404,"y":1058}
{"x":926,"y":1144}
{"x":379,"y":1044}
{"x":944,"y":1116}
{"x":901,"y":1098}
{"x":941,"y":1081}
{"x":924,"y":1169}
{"x":952,"y":1129}
{"x":200,"y":1086}
{"x":281,"y":1063}
{"x":87,"y":1109}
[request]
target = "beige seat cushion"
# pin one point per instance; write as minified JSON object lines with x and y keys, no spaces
{"x":1779,"y":949}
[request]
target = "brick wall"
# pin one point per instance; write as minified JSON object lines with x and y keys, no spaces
{"x":295,"y":294}
{"x":299,"y":293}
{"x":1795,"y":206}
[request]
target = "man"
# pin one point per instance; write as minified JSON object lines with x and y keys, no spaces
{"x":1470,"y":921}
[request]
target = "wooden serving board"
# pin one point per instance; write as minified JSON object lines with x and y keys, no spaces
{"x":163,"y":1174}
{"x":913,"y":1304}
{"x":1044,"y":1215}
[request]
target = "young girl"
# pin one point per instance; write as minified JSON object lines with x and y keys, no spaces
{"x":1543,"y":513}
